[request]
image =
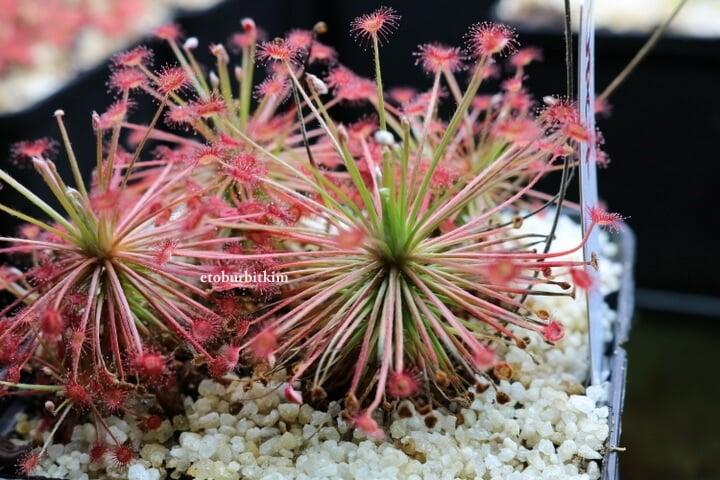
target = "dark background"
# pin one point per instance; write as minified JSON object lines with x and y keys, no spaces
{"x":662,"y":138}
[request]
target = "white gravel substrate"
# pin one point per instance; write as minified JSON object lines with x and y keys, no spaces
{"x":552,"y":428}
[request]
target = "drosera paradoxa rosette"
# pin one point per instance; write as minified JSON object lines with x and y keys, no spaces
{"x":225,"y":103}
{"x":398,"y":233}
{"x":110,"y":300}
{"x":402,"y":277}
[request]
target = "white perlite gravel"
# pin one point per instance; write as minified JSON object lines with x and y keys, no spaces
{"x":552,"y":428}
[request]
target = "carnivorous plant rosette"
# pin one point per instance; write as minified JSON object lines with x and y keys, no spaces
{"x":224,"y":103}
{"x":401,"y":281}
{"x":110,"y":295}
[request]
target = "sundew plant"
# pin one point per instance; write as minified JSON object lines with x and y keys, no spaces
{"x":397,"y":233}
{"x":405,"y":272}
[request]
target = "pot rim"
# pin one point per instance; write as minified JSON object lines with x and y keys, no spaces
{"x":616,"y":358}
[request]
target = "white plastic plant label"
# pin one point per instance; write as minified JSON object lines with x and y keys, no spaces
{"x":588,"y":180}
